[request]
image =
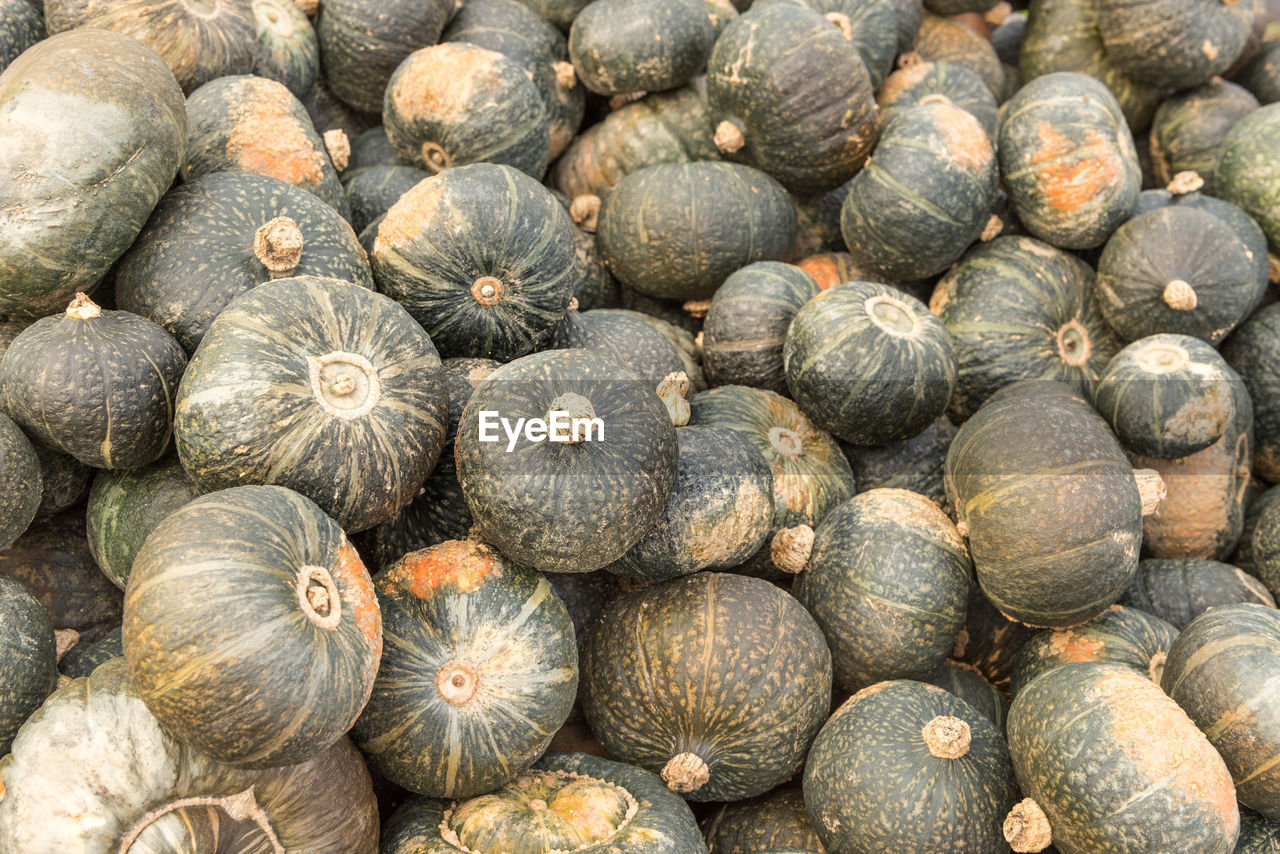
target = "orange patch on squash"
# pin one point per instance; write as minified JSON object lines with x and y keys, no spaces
{"x":824,"y":270}
{"x":358,"y":595}
{"x":1073,"y":174}
{"x":267,"y":139}
{"x":965,"y":140}
{"x":409,"y":217}
{"x":460,"y":564}
{"x":1068,"y":645}
{"x":440,"y":80}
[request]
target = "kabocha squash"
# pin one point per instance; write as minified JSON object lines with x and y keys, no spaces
{"x":1049,"y":504}
{"x":1222,"y":670}
{"x":28,"y":659}
{"x":1134,"y":740}
{"x":1067,"y":160}
{"x":568,"y":802}
{"x":905,"y":742}
{"x":872,"y":27}
{"x":910,"y":14}
{"x":1188,"y":128}
{"x":717,"y":681}
{"x":64,"y":480}
{"x":328,"y":113}
{"x":371,"y":148}
{"x":1264,"y":542}
{"x":869,"y":363}
{"x":372,"y":191}
{"x":288,"y":50}
{"x":499,"y":292}
{"x":98,"y":385}
{"x":1179,"y":590}
{"x":253,"y":124}
{"x":298,"y":377}
{"x":230,"y":232}
{"x":252,"y":556}
{"x":77,"y":187}
{"x":925,"y":196}
{"x":21,"y":26}
{"x":942,"y":39}
{"x":972,"y":687}
{"x":1258,"y":497}
{"x":595,"y":287}
{"x":770,"y":821}
{"x":615,"y":478}
{"x":915,"y":81}
{"x":93,"y":771}
{"x":622,"y":336}
{"x":1260,"y":74}
{"x":913,"y":464}
{"x":479,"y":669}
{"x":1248,"y":173}
{"x":806,"y":118}
{"x":458,"y":103}
{"x":1175,"y":45}
{"x":84,"y":658}
{"x":619,"y":47}
{"x":1253,"y":351}
{"x":887,"y":580}
{"x":21,"y":488}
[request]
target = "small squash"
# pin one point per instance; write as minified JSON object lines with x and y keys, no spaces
{"x":622,"y":336}
{"x":775,"y":820}
{"x":942,"y":39}
{"x":1180,"y":589}
{"x":28,"y":658}
{"x":64,"y":480}
{"x":1188,"y":128}
{"x":288,"y":50}
{"x":21,"y":486}
{"x":1253,"y":350}
{"x":619,"y":47}
{"x":1175,"y":44}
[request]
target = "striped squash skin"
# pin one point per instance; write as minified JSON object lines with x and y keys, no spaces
{"x":872,"y":28}
{"x":1178,"y":590}
{"x":206,"y":582}
{"x":264,"y":399}
{"x":288,"y":50}
{"x":1249,"y":174}
{"x":1222,"y":670}
{"x":1188,"y":128}
{"x":1254,"y":351}
{"x":21,"y":26}
{"x":1174,"y":45}
{"x":775,"y":820}
{"x":28,"y":658}
{"x":20,"y":482}
{"x":479,"y":669}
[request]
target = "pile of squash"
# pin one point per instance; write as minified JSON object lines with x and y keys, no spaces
{"x":639,"y":427}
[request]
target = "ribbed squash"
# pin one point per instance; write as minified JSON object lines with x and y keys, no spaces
{"x":95,"y":167}
{"x":622,"y":336}
{"x":972,"y":687}
{"x":915,"y":81}
{"x":906,"y":743}
{"x":948,"y":40}
{"x":21,"y":486}
{"x":1188,"y":128}
{"x":64,"y":480}
{"x":1248,"y":175}
{"x":1174,"y":44}
{"x":1179,"y":590}
{"x":872,"y":27}
{"x":623,"y":46}
{"x":479,"y":669}
{"x":770,"y":821}
{"x":211,"y":573}
{"x":288,"y":50}
{"x":21,"y":26}
{"x":913,"y":464}
{"x":28,"y":658}
{"x":718,"y":681}
{"x":1253,"y":350}
{"x":371,"y":191}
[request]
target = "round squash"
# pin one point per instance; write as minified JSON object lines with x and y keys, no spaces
{"x":775,"y":820}
{"x":206,"y":581}
{"x":1174,"y":44}
{"x":871,"y":26}
{"x":1264,"y":543}
{"x":910,"y":14}
{"x":28,"y":658}
{"x":21,"y":485}
{"x":1259,"y":74}
{"x":915,"y":81}
{"x":972,"y":687}
{"x":1257,"y":499}
{"x":619,"y":47}
{"x":913,"y":464}
{"x":1181,"y":589}
{"x":21,"y":26}
{"x":1188,"y":128}
{"x":288,"y":50}
{"x":1253,"y":350}
{"x":1248,"y":175}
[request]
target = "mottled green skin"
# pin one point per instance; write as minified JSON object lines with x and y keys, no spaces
{"x":870,"y":769}
{"x":545,"y":504}
{"x":460,"y":602}
{"x":1261,"y":76}
{"x":1223,"y":670}
{"x":21,"y":26}
{"x":1257,"y":834}
{"x":887,"y":582}
{"x":723,"y":666}
{"x":770,"y":821}
{"x":747,"y":324}
{"x":466,"y":223}
{"x":623,"y":46}
{"x":677,"y":231}
{"x":1249,"y":174}
{"x":362,"y":42}
{"x":196,"y":253}
{"x":970,"y":686}
{"x":93,"y":130}
{"x":1048,"y":497}
{"x":288,"y":50}
{"x":1253,"y":350}
{"x":989,"y":641}
{"x":914,"y":464}
{"x":860,"y":381}
{"x":904,"y":88}
{"x":84,"y":658}
{"x":21,"y":482}
{"x":1188,"y":128}
{"x":622,"y":336}
{"x":910,"y":15}
{"x":372,"y":190}
{"x":28,"y":658}
{"x":808,"y":117}
{"x":595,"y":287}
{"x":252,"y":124}
{"x":662,"y":824}
{"x":1067,"y":160}
{"x":1180,"y":589}
{"x":945,"y":40}
{"x":681,"y":338}
{"x":1244,"y":225}
{"x":100,"y":389}
{"x":873,"y":27}
{"x":1257,"y":499}
{"x":1086,"y":738}
{"x":249,"y":410}
{"x":64,"y":480}
{"x":371,"y":148}
{"x":126,"y":505}
{"x":1174,"y":45}
{"x":1177,"y":243}
{"x":65,"y":792}
{"x":243,"y":697}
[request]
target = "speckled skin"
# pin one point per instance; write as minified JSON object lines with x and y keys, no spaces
{"x":618,"y":335}
{"x":873,"y":25}
{"x":288,"y":50}
{"x":203,"y":232}
{"x":872,"y":753}
{"x":1179,"y":590}
{"x":1257,"y":499}
{"x":904,"y":88}
{"x":944,"y":40}
{"x":1257,"y":834}
{"x":1248,"y":175}
{"x":777,"y":819}
{"x":724,"y":666}
{"x":372,"y":190}
{"x":28,"y":659}
{"x":1174,"y":46}
{"x":622,"y":46}
{"x":92,"y":763}
{"x":21,"y":483}
{"x":595,"y":286}
{"x":249,"y":411}
{"x":1254,"y":351}
{"x":64,"y":480}
{"x":989,"y":641}
{"x":505,"y":823}
{"x":20,"y":27}
{"x":914,"y":464}
{"x":84,"y":658}
{"x":1117,"y":767}
{"x":1187,"y":131}
{"x":966,"y":683}
{"x":1221,"y":670}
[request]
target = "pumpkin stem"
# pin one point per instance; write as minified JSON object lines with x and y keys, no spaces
{"x":686,"y":772}
{"x":566,"y":77}
{"x":936,"y":98}
{"x":278,"y":245}
{"x":579,"y":409}
{"x":1156,"y":668}
{"x":893,"y":316}
{"x":672,"y":390}
{"x":83,"y":308}
{"x":947,"y":737}
{"x":488,"y":290}
{"x":64,"y":639}
{"x":1185,"y":182}
{"x":572,"y":306}
{"x":585,"y":211}
{"x":1026,"y":828}
{"x":319,"y":597}
{"x":338,"y":145}
{"x":729,"y":137}
{"x":786,"y":442}
{"x":242,"y":806}
{"x":791,"y":547}
{"x":697,"y":307}
{"x":1074,"y":347}
{"x":435,"y":157}
{"x":992,"y":229}
{"x":1179,"y":295}
{"x":457,"y":682}
{"x":346,"y":385}
{"x":841,"y":20}
{"x":1151,"y":489}
{"x":909,"y":59}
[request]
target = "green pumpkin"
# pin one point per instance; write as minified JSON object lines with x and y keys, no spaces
{"x":64,"y":480}
{"x":1247,"y":172}
{"x":770,"y":821}
{"x":1174,"y":44}
{"x":623,"y":336}
{"x":891,"y":749}
{"x":28,"y":661}
{"x":106,"y":157}
{"x":372,"y":190}
{"x":21,"y":26}
{"x":915,"y":81}
{"x":84,"y":658}
{"x":1253,"y":350}
{"x":672,"y":682}
{"x":910,"y":15}
{"x":972,"y":687}
{"x":872,"y":27}
{"x":1181,"y":589}
{"x":913,"y":464}
{"x":94,"y":772}
{"x":1259,"y":74}
{"x":21,"y":482}
{"x":940,"y":39}
{"x":288,"y":50}
{"x":1188,"y":128}
{"x":1257,"y":498}
{"x":624,"y":46}
{"x":258,"y":555}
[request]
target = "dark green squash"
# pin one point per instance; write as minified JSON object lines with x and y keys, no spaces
{"x":1222,"y":671}
{"x":913,"y":464}
{"x":21,"y":482}
{"x":819,"y":218}
{"x":971,"y":686}
{"x":93,"y":771}
{"x":28,"y":658}
{"x":1179,"y":590}
{"x":623,"y":46}
{"x":1260,"y":74}
{"x":1257,"y":498}
{"x":478,"y":671}
{"x":989,"y":641}
{"x":568,"y":802}
{"x":894,"y":748}
{"x":869,"y":363}
{"x":288,"y":50}
{"x":1048,"y":502}
{"x":1188,"y":128}
{"x":1136,"y":742}
{"x":942,"y":39}
{"x":296,"y":378}
{"x":1253,"y":350}
{"x":1173,"y":45}
{"x":84,"y":658}
{"x":64,"y":480}
{"x":680,"y":337}
{"x":915,"y":81}
{"x":371,"y":148}
{"x":622,"y":336}
{"x":595,"y":287}
{"x":777,"y":819}
{"x":328,"y":113}
{"x":1264,"y":542}
{"x":910,"y":14}
{"x":807,"y":118}
{"x":1257,"y":834}
{"x":221,"y":235}
{"x":210,"y":574}
{"x":98,"y":385}
{"x":672,"y":682}
{"x":886,"y":579}
{"x":93,"y":170}
{"x":872,"y":27}
{"x":21,"y":26}
{"x":1248,"y":174}
{"x":371,"y":191}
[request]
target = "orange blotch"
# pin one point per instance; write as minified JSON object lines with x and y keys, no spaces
{"x":440,"y":80}
{"x":268,"y":140}
{"x":1068,"y":646}
{"x":462,"y":565}
{"x":358,"y":597}
{"x":963,"y":138}
{"x":410,"y":216}
{"x":1073,"y":174}
{"x":825,"y":269}
{"x":590,"y":808}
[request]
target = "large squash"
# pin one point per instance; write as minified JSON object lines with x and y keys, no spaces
{"x":620,"y":47}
